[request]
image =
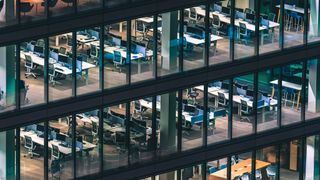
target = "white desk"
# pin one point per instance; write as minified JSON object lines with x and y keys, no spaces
{"x":291,"y":8}
{"x":148,"y":104}
{"x":290,"y":85}
{"x":196,"y":41}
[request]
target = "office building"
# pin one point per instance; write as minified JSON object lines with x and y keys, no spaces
{"x":160,"y":89}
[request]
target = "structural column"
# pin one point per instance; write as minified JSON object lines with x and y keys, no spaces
{"x":7,"y":155}
{"x":314,"y":87}
{"x":314,"y":29}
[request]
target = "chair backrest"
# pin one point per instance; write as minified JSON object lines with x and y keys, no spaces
{"x":51,"y":70}
{"x":95,"y":127}
{"x":117,"y":57}
{"x":244,"y":106}
{"x":215,"y":20}
{"x":29,"y":62}
{"x":62,"y":50}
{"x":28,"y":142}
{"x":193,"y":14}
{"x":243,"y":29}
{"x":221,"y":98}
{"x":93,"y":51}
{"x":55,"y":152}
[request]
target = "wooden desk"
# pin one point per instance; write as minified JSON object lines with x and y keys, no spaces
{"x":238,"y":169}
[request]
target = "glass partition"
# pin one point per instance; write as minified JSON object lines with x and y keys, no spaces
{"x":7,"y":78}
{"x":32,"y":63}
{"x":60,"y":66}
{"x":88,"y":60}
{"x":312,"y":108}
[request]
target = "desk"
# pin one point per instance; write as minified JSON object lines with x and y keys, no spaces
{"x":82,"y":39}
{"x":290,"y":85}
{"x":290,"y":8}
{"x":238,"y":169}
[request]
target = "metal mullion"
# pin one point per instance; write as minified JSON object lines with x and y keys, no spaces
{"x":279,"y":99}
{"x":127,"y":136}
{"x":278,"y":162}
{"x":229,"y":167}
{"x":18,"y":168}
{"x":257,"y":27}
{"x":74,"y":57}
{"x":205,"y":116}
{"x":306,"y":23}
{"x":46,"y":71}
{"x":253,"y":165}
{"x":155,"y":46}
{"x":303,"y":90}
{"x":46,"y":151}
{"x":204,"y":171}
{"x":281,"y":40}
{"x":17,"y":82}
{"x":100,"y":134}
{"x":207,"y":36}
{"x":230,"y":104}
{"x":101,"y":58}
{"x":255,"y":101}
{"x":128,"y":59}
{"x":154,"y":126}
{"x":302,"y":164}
{"x":18,"y":14}
{"x":178,"y":174}
{"x":74,"y":156}
{"x":233,"y":30}
{"x":179,"y":143}
{"x":46,"y":9}
{"x":181,"y":12}
{"x":75,"y":6}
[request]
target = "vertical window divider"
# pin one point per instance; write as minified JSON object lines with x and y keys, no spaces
{"x":207,"y":35}
{"x":46,"y":71}
{"x":204,"y":171}
{"x":302,"y":164}
{"x":257,"y":27}
{"x":304,"y":91}
{"x":232,"y":40}
{"x":100,"y":134}
{"x":229,"y":167}
{"x":279,"y":99}
{"x":154,"y":126}
{"x":46,"y":154}
{"x":75,"y":4}
{"x":101,"y":59}
{"x":230,"y":104}
{"x":18,"y":14}
{"x":253,"y":165}
{"x":179,"y":143}
{"x":74,"y":138}
{"x":155,"y":46}
{"x":17,"y":73}
{"x":205,"y":115}
{"x":281,"y":39}
{"x":74,"y":58}
{"x":181,"y":22}
{"x":127,"y":136}
{"x":255,"y":101}
{"x":278,"y":162}
{"x":306,"y":23}
{"x":18,"y":168}
{"x":129,"y":51}
{"x":46,"y":9}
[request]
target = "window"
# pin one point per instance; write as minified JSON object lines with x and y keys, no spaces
{"x":313,"y":29}
{"x":267,"y":163}
{"x":32,"y":63}
{"x":312,"y":157}
{"x":290,"y":160}
{"x":312,"y":108}
{"x":7,"y":78}
{"x":8,"y":154}
{"x":215,"y":167}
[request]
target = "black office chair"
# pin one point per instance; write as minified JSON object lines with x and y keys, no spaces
{"x":30,"y":67}
{"x":222,"y":101}
{"x":55,"y":153}
{"x":30,"y":146}
{"x":25,"y":7}
{"x":95,"y":129}
{"x":246,"y":112}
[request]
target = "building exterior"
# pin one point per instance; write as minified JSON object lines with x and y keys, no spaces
{"x":159,"y":89}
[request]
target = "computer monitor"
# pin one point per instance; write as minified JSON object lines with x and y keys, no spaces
{"x":139,"y":48}
{"x":240,"y":15}
{"x":54,"y":55}
{"x":217,"y":8}
{"x":116,"y":40}
{"x":225,"y":85}
{"x":63,"y":58}
{"x":264,"y":22}
{"x":38,"y":49}
{"x":225,"y":11}
{"x":195,"y":31}
{"x":250,"y":17}
{"x":40,"y":128}
{"x":250,"y":92}
{"x":188,"y":108}
{"x":61,"y":137}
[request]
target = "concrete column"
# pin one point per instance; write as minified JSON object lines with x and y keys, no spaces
{"x":168,"y":122}
{"x":169,"y":41}
{"x":314,"y":87}
{"x":7,"y":75}
{"x":7,"y":155}
{"x":314,"y":21}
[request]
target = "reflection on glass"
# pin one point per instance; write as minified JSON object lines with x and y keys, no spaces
{"x":116,"y":63}
{"x":166,"y":123}
{"x":268,"y":96}
{"x":7,"y":78}
{"x":60,"y":7}
{"x":32,"y":10}
{"x":115,"y":147}
{"x":291,"y":93}
{"x":243,"y":96}
{"x":312,"y":97}
{"x":313,"y":30}
{"x":220,"y":32}
{"x":245,"y":28}
{"x":266,"y":157}
{"x":115,"y":3}
{"x":192,"y":172}
{"x":84,"y":5}
{"x":32,"y":151}
{"x":8,"y":13}
{"x":60,"y":148}
{"x":87,"y":143}
{"x":168,"y":43}
{"x":269,"y":26}
{"x":193,"y":38}
{"x":290,"y":156}
{"x":192,"y":118}
{"x":218,"y":108}
{"x":141,"y":142}
{"x":8,"y":155}
{"x":88,"y":57}
{"x":60,"y":66}
{"x":142,"y":46}
{"x":32,"y":62}
{"x":293,"y":23}
{"x":216,"y":167}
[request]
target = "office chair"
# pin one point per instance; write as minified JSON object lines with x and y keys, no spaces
{"x":222,"y":101}
{"x":28,"y":144}
{"x":52,"y":75}
{"x":51,"y":3}
{"x":94,"y":53}
{"x":271,"y":172}
{"x":272,"y":17}
{"x":245,"y":176}
{"x":25,"y":7}
{"x":55,"y":153}
{"x":55,"y":168}
{"x":245,"y":111}
{"x":62,"y":50}
{"x":244,"y":33}
{"x":193,"y":16}
{"x":29,"y":67}
{"x":118,"y":60}
{"x":249,"y":11}
{"x":192,"y":94}
{"x":95,"y":129}
{"x":258,"y":174}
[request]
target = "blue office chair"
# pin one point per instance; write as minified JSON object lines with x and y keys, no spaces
{"x":28,"y":144}
{"x":25,"y":7}
{"x":118,"y":60}
{"x":271,"y":172}
{"x":223,"y":166}
{"x":244,"y":33}
{"x":212,"y":170}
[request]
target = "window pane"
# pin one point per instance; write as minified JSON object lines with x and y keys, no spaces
{"x":269,"y":26}
{"x":268,"y":96}
{"x":60,"y":66}
{"x":87,"y":143}
{"x":168,"y":34}
{"x":61,"y":7}
{"x":218,"y":107}
{"x":115,"y":148}
{"x":293,"y":19}
{"x":192,"y":172}
{"x":312,"y":97}
{"x":8,"y":13}
{"x":141,"y":130}
{"x":243,"y":116}
{"x":289,"y":160}
{"x":116,"y":64}
{"x":214,"y":168}
{"x":312,"y":158}
{"x":32,"y":151}
{"x":32,"y":62}
{"x":193,"y":38}
{"x":166,"y":123}
{"x":313,"y":29}
{"x":245,"y":29}
{"x":192,"y":118}
{"x":142,"y":62}
{"x":8,"y":154}
{"x":266,"y":163}
{"x":88,"y":60}
{"x":241,"y":166}
{"x":84,"y":5}
{"x":291,"y":94}
{"x":32,"y":10}
{"x":7,"y":78}
{"x":220,"y":32}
